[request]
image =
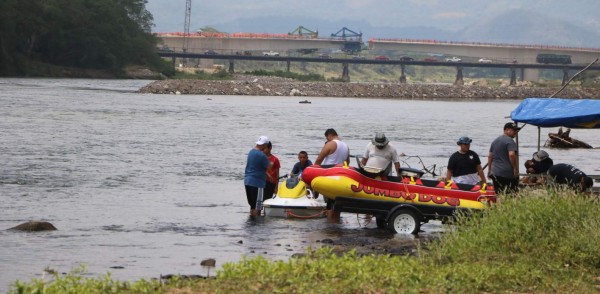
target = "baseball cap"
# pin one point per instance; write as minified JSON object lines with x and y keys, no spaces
{"x":464,"y":140}
{"x":262,"y":140}
{"x":511,"y":125}
{"x":540,"y":155}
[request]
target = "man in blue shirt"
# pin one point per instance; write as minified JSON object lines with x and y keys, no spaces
{"x":255,"y":175}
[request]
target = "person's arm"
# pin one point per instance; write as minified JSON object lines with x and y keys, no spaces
{"x":348,"y":157}
{"x":448,"y":175}
{"x":363,"y":161}
{"x":276,"y":180}
{"x":512,"y":155}
{"x":489,"y":164}
{"x":397,"y":165}
{"x":481,"y":174}
{"x":327,"y":149}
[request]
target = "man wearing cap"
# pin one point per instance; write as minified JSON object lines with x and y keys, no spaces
{"x":464,"y":165}
{"x":539,"y":163}
{"x":567,"y":174}
{"x":255,"y":174}
{"x":503,"y":168}
{"x":380,"y":153}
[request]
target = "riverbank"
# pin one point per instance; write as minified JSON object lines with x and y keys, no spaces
{"x":271,"y":86}
{"x":538,"y":241}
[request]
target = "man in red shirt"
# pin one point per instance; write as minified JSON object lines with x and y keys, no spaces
{"x":272,"y":173}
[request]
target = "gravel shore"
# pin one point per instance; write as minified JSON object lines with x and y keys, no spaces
{"x":270,"y":86}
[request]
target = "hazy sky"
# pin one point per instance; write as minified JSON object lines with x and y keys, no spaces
{"x":442,"y":14}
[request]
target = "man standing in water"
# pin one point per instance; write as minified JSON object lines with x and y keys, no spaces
{"x":334,"y":152}
{"x":255,"y":175}
{"x":272,"y":173}
{"x":502,"y":161}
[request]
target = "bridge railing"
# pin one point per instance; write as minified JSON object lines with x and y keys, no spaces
{"x":439,"y":42}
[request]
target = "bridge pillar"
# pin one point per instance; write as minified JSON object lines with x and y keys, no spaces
{"x":522,"y":75}
{"x":231,"y":68}
{"x":403,"y":74}
{"x":565,"y":76}
{"x":513,"y":76}
{"x":459,"y":76}
{"x":288,"y":65}
{"x":174,"y":61}
{"x":345,"y":72}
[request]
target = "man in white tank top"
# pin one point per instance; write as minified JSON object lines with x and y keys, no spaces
{"x":335,"y":151}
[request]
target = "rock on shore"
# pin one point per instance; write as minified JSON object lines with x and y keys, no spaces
{"x":268,"y":86}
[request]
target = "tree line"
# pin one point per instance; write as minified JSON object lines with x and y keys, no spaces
{"x":87,"y":34}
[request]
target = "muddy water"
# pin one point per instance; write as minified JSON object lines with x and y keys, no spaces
{"x":143,"y":185}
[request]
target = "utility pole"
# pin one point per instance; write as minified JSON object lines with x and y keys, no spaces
{"x":186,"y":26}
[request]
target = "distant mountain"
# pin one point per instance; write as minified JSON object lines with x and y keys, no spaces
{"x":552,"y":22}
{"x":523,"y":27}
{"x":282,"y":25}
{"x":513,"y":27}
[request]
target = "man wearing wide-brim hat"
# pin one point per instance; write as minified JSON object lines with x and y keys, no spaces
{"x":380,"y":153}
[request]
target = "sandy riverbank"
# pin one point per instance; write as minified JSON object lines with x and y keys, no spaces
{"x":269,"y":86}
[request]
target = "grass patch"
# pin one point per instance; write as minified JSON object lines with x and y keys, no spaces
{"x":309,"y":77}
{"x":202,"y":75}
{"x":537,"y":241}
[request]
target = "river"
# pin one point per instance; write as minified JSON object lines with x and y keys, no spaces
{"x":141,"y":185}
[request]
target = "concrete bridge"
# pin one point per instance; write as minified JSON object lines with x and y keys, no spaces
{"x":512,"y":68}
{"x":499,"y":53}
{"x":513,"y":57}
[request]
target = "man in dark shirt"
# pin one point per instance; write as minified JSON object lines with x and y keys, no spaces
{"x":464,"y":165}
{"x":502,"y":161}
{"x":539,"y":163}
{"x":567,"y":174}
{"x":302,"y":163}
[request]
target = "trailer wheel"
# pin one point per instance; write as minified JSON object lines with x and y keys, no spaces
{"x":404,"y":222}
{"x":380,"y":221}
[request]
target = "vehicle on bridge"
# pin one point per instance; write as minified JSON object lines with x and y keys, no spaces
{"x":430,"y":59}
{"x":406,"y":58}
{"x":165,"y":48}
{"x":211,"y":52}
{"x":453,"y":59}
{"x":553,"y":58}
{"x":382,"y":57}
{"x":324,"y":55}
{"x":245,"y":53}
{"x":484,"y":60}
{"x":270,"y":53}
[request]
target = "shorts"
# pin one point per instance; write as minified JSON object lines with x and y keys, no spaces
{"x":269,"y":190}
{"x":252,"y":195}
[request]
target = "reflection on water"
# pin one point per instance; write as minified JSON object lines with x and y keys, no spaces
{"x":153,"y":184}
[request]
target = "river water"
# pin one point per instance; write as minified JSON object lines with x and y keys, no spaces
{"x":141,"y":185}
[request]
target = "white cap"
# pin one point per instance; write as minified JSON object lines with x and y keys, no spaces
{"x":262,"y":140}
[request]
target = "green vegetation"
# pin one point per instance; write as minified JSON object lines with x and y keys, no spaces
{"x":291,"y":75}
{"x":536,"y":242}
{"x":102,"y":35}
{"x":202,"y":75}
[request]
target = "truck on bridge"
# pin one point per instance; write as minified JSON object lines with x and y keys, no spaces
{"x":546,"y":58}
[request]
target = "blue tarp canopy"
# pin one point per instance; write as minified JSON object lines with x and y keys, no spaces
{"x":557,"y":112}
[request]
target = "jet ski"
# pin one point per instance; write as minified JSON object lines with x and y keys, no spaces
{"x":294,"y":200}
